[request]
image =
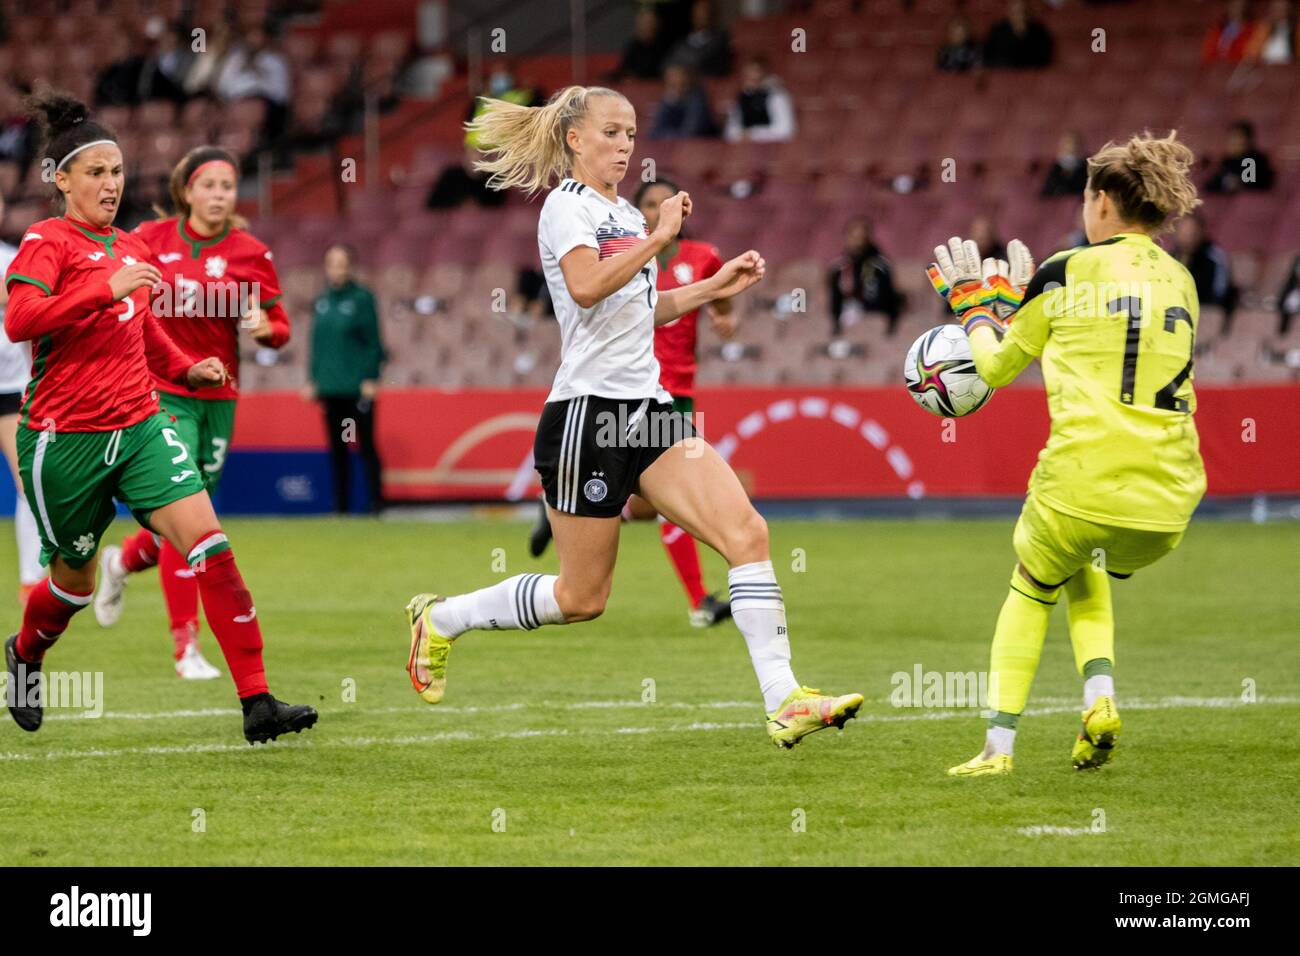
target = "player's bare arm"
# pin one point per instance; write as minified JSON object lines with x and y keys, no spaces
{"x":591,"y":279}
{"x":723,"y":318}
{"x":733,"y":278}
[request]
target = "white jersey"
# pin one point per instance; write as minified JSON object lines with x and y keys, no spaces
{"x":15,"y":357}
{"x":608,"y":349}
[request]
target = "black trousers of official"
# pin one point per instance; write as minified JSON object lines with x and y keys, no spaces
{"x":352,"y":418}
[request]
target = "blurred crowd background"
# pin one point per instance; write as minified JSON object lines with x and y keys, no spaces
{"x":843,"y":139}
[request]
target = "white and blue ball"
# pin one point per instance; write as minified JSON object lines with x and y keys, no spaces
{"x":940,"y":374}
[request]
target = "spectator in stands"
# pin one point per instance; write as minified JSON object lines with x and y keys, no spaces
{"x":17,"y":136}
{"x":255,"y":68}
{"x":986,"y":237}
{"x":862,"y":275}
{"x":1208,"y":264}
{"x":201,"y":78}
{"x":1229,"y":39}
{"x":173,"y":58}
{"x":1018,"y":42}
{"x":461,"y":183}
{"x":346,"y":355}
{"x":532,"y":299}
{"x":684,"y":110}
{"x":1245,"y":166}
{"x":706,"y":50}
{"x":501,"y":85}
{"x":1278,"y":37}
{"x":1288,"y":300}
{"x":763,"y":111}
{"x":961,"y":53}
{"x":644,"y":54}
{"x":138,"y":75}
{"x":1069,"y":173}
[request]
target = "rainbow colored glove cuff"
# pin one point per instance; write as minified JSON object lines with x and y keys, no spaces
{"x":937,"y":280}
{"x":981,"y":315}
{"x":965,"y":296}
{"x":1006,"y":298}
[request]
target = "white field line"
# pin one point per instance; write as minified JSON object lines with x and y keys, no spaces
{"x":1057,"y":705}
{"x":404,"y":740}
{"x":1168,"y":703}
{"x":1048,"y":830}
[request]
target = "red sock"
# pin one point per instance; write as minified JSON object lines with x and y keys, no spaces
{"x":230,"y":612}
{"x":183,"y":637}
{"x":685,"y":557}
{"x":48,"y":611}
{"x":139,"y":551}
{"x":181,"y":592}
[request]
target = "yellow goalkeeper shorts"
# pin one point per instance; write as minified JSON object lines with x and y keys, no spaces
{"x":1053,"y":545}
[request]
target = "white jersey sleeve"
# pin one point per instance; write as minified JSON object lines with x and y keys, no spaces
{"x":15,"y":357}
{"x":566,"y":223}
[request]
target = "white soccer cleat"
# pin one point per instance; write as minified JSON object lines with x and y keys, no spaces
{"x":112,"y":582}
{"x":193,"y":666}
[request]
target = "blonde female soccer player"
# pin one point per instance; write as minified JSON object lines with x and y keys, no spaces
{"x":1113,"y":324}
{"x":608,"y":428}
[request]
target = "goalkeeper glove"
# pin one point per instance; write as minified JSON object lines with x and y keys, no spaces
{"x":1008,"y":279}
{"x":956,"y":274}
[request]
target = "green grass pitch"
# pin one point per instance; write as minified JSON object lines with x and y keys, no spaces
{"x":545,"y":753}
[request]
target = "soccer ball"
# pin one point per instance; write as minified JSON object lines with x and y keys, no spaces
{"x":941,"y":376}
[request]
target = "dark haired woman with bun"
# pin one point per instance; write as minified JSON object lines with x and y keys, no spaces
{"x":217,"y":279}
{"x":91,"y":429}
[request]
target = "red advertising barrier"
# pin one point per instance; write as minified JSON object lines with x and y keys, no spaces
{"x":798,"y":442}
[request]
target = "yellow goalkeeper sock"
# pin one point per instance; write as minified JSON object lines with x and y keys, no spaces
{"x":1092,"y":623}
{"x":1017,"y":646}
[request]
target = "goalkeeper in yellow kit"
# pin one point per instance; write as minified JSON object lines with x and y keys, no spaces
{"x":1113,"y":324}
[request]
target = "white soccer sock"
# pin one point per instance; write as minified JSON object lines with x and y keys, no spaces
{"x":759,"y":612}
{"x":524,"y":601}
{"x":999,"y":740}
{"x":1099,"y":685}
{"x":29,"y":543}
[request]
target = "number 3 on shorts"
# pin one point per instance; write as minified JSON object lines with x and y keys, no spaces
{"x":170,"y":436}
{"x":219,"y":446}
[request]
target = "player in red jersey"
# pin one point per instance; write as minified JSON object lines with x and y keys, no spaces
{"x":217,"y":280}
{"x":682,"y":262}
{"x":91,"y":429}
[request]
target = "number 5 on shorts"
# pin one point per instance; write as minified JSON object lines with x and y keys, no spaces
{"x":170,"y":436}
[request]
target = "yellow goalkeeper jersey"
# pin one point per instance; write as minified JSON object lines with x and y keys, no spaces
{"x":1114,"y":324}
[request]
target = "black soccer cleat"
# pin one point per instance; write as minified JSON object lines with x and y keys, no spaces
{"x":266,"y":718}
{"x":27,"y":715}
{"x":710,"y":612}
{"x":540,"y":536}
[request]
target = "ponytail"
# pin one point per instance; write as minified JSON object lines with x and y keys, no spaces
{"x":525,"y":145}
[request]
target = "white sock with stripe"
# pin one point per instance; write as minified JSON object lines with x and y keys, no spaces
{"x":759,"y":612}
{"x":523,"y":602}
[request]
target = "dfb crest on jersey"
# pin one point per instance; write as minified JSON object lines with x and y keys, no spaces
{"x":215,"y":267}
{"x":683,"y":273}
{"x":595,"y":490}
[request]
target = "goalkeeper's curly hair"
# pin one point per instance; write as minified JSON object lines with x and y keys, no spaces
{"x":1147,"y":178}
{"x":525,"y":145}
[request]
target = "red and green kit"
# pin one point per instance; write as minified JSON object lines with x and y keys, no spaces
{"x":90,"y":427}
{"x":207,"y":285}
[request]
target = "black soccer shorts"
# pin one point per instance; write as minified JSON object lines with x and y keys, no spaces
{"x":590,"y":451}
